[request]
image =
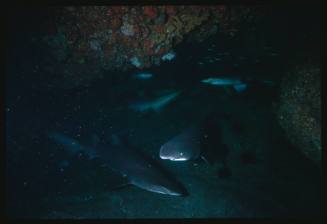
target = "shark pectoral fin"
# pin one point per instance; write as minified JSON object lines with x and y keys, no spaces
{"x":119,"y":186}
{"x":204,"y":159}
{"x":116,"y":181}
{"x":240,"y":87}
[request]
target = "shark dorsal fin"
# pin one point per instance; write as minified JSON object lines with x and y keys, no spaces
{"x":204,"y":159}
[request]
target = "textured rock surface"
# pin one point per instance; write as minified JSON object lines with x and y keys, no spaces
{"x":299,"y":112}
{"x":120,"y":38}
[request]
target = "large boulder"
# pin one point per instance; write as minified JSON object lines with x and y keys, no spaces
{"x":299,"y":112}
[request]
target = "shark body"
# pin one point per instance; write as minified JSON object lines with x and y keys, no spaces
{"x":130,"y":163}
{"x":238,"y":83}
{"x":157,"y":104}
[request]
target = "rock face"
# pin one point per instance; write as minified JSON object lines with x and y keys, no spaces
{"x":120,"y":38}
{"x":299,"y":112}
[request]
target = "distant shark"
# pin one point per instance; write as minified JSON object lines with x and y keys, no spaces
{"x":143,"y":75}
{"x":156,"y":104}
{"x":238,"y":83}
{"x":130,"y":163}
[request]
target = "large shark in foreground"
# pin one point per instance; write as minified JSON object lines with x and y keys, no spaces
{"x":185,"y":146}
{"x":199,"y":141}
{"x":202,"y":141}
{"x":132,"y":164}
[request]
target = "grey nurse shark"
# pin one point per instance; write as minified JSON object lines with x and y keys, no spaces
{"x":130,"y":163}
{"x":183,"y":147}
{"x":240,"y":84}
{"x":202,"y":141}
{"x":156,"y":104}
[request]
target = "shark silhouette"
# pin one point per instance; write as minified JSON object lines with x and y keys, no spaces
{"x":138,"y":168}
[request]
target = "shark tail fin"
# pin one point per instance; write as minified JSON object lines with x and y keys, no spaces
{"x":71,"y":145}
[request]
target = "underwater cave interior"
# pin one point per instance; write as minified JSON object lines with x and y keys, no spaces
{"x":163,"y":111}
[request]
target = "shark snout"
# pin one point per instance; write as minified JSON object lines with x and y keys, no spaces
{"x":169,"y":153}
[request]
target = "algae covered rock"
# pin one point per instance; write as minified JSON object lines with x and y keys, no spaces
{"x":299,"y":112}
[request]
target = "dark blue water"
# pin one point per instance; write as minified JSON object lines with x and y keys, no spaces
{"x":265,"y":176}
